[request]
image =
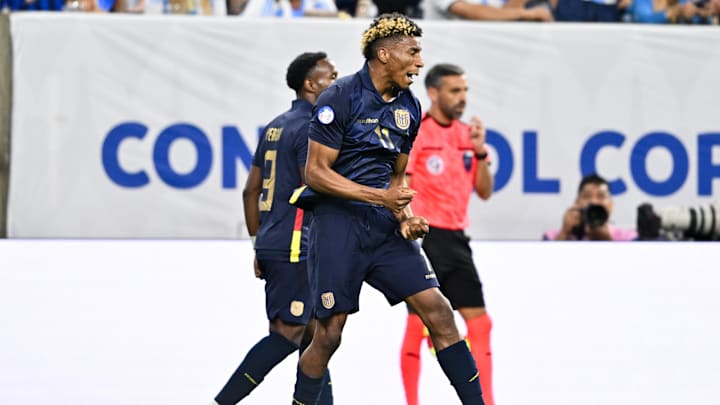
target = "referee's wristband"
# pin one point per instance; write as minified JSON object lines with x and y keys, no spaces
{"x":481,"y":156}
{"x":252,"y":239}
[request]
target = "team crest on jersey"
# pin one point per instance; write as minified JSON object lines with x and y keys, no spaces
{"x":326,"y":114}
{"x":297,"y":308}
{"x":402,"y":119}
{"x":467,"y":160}
{"x":435,"y":165}
{"x":328,"y":300}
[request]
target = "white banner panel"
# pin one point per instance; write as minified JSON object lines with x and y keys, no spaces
{"x":141,"y":126}
{"x":159,"y":322}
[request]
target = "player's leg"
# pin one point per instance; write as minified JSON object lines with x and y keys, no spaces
{"x":410,"y":360}
{"x":400,"y":273}
{"x":450,"y":255}
{"x":326,"y":396}
{"x":314,"y":360}
{"x":410,"y":356}
{"x":282,"y":341}
{"x":335,"y":267}
{"x":286,"y":294}
{"x":452,"y":352}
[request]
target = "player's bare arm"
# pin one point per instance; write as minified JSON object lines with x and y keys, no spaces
{"x":321,"y":177}
{"x":251,"y":207}
{"x":399,"y":183}
{"x":251,"y":198}
{"x":411,"y":227}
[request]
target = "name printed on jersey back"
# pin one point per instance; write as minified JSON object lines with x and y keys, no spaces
{"x":273,"y":134}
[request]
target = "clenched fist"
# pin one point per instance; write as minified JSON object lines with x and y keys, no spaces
{"x":414,"y":227}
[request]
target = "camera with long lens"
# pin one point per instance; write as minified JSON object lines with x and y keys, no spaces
{"x":591,"y":215}
{"x":701,"y":223}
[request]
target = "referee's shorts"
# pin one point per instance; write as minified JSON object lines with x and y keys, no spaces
{"x":450,"y":255}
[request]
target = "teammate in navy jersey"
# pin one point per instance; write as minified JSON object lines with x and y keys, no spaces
{"x":279,"y":230}
{"x":363,"y":230}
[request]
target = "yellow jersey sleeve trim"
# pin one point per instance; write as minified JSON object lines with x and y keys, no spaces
{"x":296,"y":194}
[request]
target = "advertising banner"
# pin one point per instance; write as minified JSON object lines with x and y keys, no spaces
{"x":144,"y":127}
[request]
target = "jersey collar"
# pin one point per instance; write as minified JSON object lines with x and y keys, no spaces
{"x":301,"y":104}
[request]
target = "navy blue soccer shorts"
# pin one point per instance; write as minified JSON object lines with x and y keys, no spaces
{"x":351,"y":244}
{"x":287,"y":293}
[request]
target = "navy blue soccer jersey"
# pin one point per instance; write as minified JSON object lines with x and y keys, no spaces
{"x":280,"y":155}
{"x":352,"y":117}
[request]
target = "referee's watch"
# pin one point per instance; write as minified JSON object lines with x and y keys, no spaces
{"x":481,"y":156}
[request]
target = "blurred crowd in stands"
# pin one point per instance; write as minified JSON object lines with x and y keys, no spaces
{"x":637,"y":11}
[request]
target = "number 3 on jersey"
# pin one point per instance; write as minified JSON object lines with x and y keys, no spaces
{"x":266,"y":198}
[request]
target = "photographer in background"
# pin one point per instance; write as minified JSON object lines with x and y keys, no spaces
{"x":587,"y":219}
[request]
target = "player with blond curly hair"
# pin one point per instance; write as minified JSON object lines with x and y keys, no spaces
{"x":363,"y":230}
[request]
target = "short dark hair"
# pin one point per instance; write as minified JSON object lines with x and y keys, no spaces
{"x":300,"y":67}
{"x":385,"y":26}
{"x":436,"y":73}
{"x":592,"y":179}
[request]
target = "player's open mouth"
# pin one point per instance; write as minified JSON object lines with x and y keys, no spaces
{"x":411,"y":76}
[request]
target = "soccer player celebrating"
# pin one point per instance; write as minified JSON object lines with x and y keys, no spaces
{"x":361,"y":133}
{"x":279,"y":230}
{"x":448,"y":162}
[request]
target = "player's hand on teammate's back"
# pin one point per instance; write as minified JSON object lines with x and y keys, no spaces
{"x":258,"y":271}
{"x":414,"y":227}
{"x":397,"y":198}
